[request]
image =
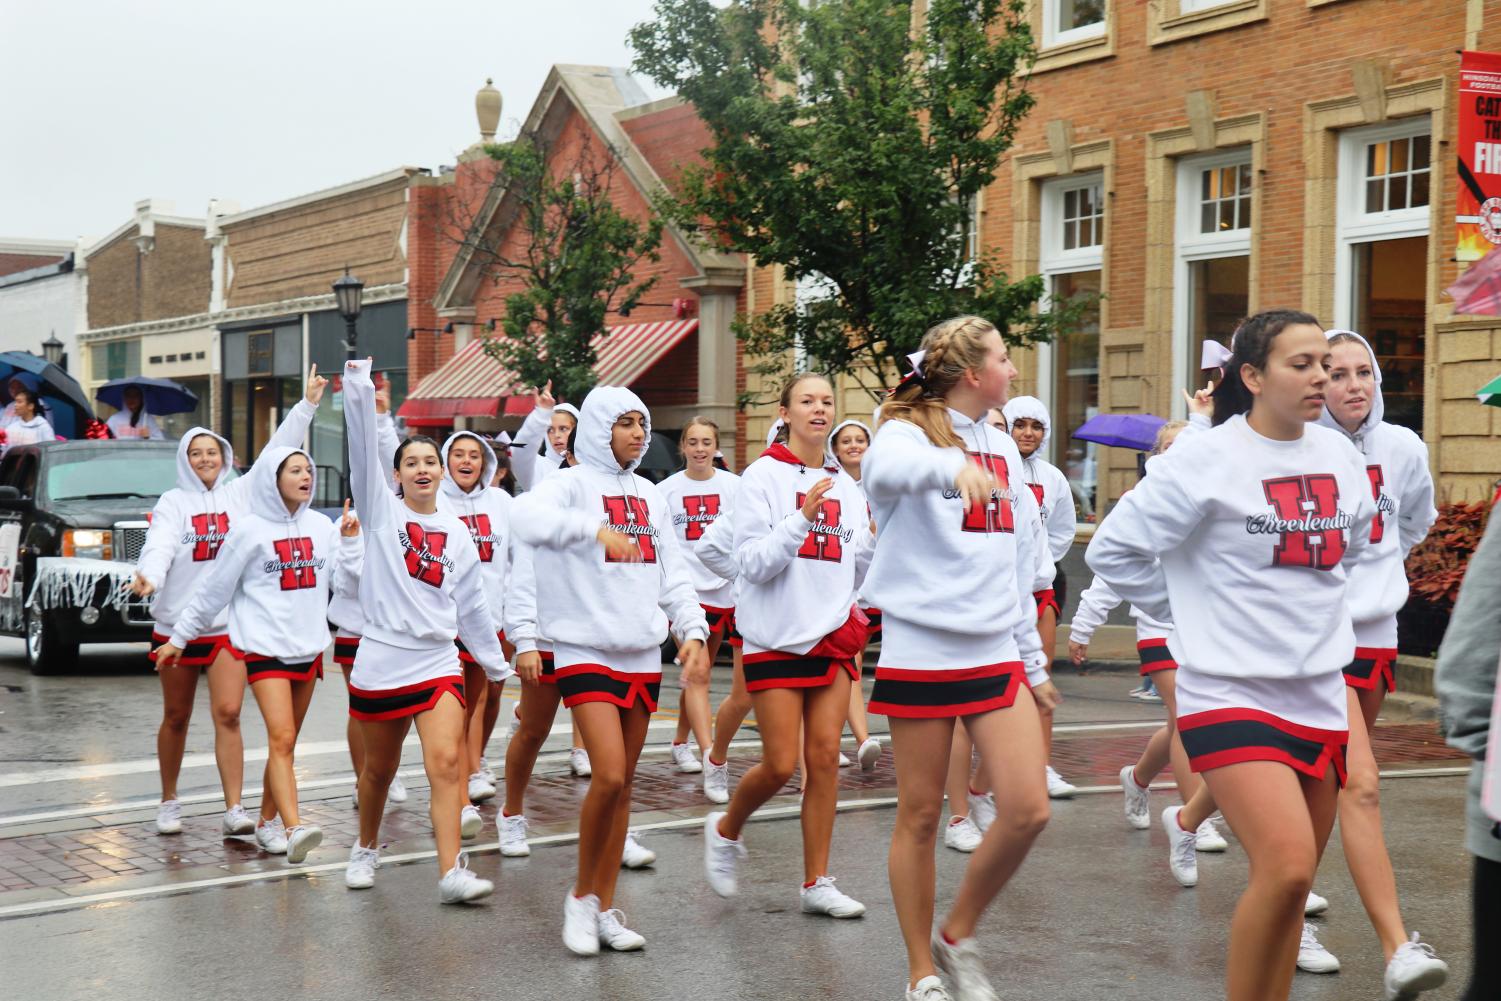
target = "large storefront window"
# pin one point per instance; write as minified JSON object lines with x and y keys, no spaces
{"x":1390,"y":305}
{"x":1212,"y":292}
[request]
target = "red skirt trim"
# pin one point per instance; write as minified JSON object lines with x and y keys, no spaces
{"x":260,"y":668}
{"x":1155,"y":656}
{"x":579,"y":683}
{"x":345,"y":648}
{"x":1371,"y":666}
{"x":1047,"y":598}
{"x":408,"y":700}
{"x":200,"y":652}
{"x":917,"y":694}
{"x":1220,"y":737}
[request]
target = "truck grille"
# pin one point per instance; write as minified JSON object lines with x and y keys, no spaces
{"x":130,"y":538}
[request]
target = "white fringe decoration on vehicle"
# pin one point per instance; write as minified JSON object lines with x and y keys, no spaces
{"x":72,"y":583}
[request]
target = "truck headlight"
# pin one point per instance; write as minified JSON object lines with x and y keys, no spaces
{"x":88,"y":544}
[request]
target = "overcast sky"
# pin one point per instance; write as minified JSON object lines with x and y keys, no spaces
{"x":107,"y":103}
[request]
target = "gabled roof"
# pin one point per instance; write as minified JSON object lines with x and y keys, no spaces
{"x":599,"y":94}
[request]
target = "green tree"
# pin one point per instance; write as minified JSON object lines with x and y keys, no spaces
{"x":576,"y":260}
{"x":850,"y":141}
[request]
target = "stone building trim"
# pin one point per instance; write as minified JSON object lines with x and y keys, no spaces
{"x":1168,"y":22}
{"x":1054,"y":57}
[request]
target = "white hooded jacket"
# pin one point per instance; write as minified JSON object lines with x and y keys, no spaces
{"x":190,"y":523}
{"x":486,"y":511}
{"x":696,"y":506}
{"x":1055,"y":498}
{"x":274,"y":572}
{"x":1396,"y":460}
{"x":584,"y":598}
{"x":529,"y":467}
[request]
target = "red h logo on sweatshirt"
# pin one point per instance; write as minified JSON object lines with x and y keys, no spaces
{"x":825,"y":539}
{"x":208,"y":535}
{"x":1378,"y":523}
{"x":701,"y":511}
{"x":294,"y":558}
{"x":995,"y":516}
{"x":1307,"y":519}
{"x":629,"y":514}
{"x":424,"y":554}
{"x":479,"y":529}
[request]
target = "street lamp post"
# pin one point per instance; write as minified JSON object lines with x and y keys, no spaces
{"x":52,"y":349}
{"x":348,"y":291}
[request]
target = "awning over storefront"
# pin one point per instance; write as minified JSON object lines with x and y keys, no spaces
{"x":474,"y":383}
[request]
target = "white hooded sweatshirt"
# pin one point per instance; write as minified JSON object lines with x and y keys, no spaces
{"x":421,"y":586}
{"x":1055,"y":498}
{"x":584,"y":598}
{"x":1396,"y":460}
{"x":696,"y":506}
{"x":274,"y":572}
{"x":530,"y":468}
{"x":344,"y":601}
{"x":190,"y":523}
{"x":486,"y":511}
{"x":939,"y":566}
{"x":1244,"y":543}
{"x":798,"y":578}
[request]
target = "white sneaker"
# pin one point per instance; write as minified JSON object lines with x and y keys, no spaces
{"x":271,"y":837}
{"x":721,"y":857}
{"x":1314,"y":905}
{"x":1057,"y":787}
{"x":1208,"y":838}
{"x":1182,"y":845}
{"x":823,"y":897}
{"x":928,"y":989}
{"x":1414,"y":968}
{"x":869,"y":754}
{"x":1313,"y":957}
{"x":302,"y":839}
{"x":359,"y":874}
{"x":960,"y":962}
{"x":397,"y":792}
{"x":844,"y":760}
{"x":1149,"y":696}
{"x":581,"y":924}
{"x":685,"y":757}
{"x":634,"y":855}
{"x":1138,"y":800}
{"x":578,"y":763}
{"x":513,"y":835}
{"x":515,"y":724}
{"x":470,"y":822}
{"x":488,"y":772}
{"x":460,"y":885}
{"x":480,"y":787}
{"x":716,"y":780}
{"x":169,"y":817}
{"x":237,"y":821}
{"x":613,"y":934}
{"x":962,"y":835}
{"x":982,"y":810}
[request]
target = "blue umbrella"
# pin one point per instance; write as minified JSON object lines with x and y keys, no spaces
{"x":71,"y":410}
{"x":1138,"y":431}
{"x":161,"y":396}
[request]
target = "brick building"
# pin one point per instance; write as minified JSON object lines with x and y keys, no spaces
{"x":677,"y":349}
{"x":41,"y":296}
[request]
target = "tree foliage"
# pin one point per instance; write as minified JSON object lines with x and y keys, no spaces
{"x":850,"y":140}
{"x":573,"y":253}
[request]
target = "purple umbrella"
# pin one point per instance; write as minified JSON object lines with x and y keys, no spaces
{"x":1138,"y":431}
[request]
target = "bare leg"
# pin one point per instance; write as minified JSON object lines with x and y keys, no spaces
{"x":1360,"y":825}
{"x":539,"y":707}
{"x":382,"y":740}
{"x":956,"y":784}
{"x":275,"y":698}
{"x":492,"y":713}
{"x":477,"y":691}
{"x":779,"y":717}
{"x":918,"y":747}
{"x":356,"y":737}
{"x":732,"y":712}
{"x":824,"y":710}
{"x":859,"y":724}
{"x":441,"y":730}
{"x":226,"y":693}
{"x":614,"y":737}
{"x":1047,"y":629}
{"x":179,"y":685}
{"x":693,"y":705}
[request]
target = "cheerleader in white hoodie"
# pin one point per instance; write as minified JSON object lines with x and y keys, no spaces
{"x":1262,"y":632}
{"x":189,"y":525}
{"x":698,"y":496}
{"x":609,"y":578}
{"x":274,"y":573}
{"x":1396,"y":462}
{"x":954,"y":564}
{"x":421,"y":588}
{"x":1031,"y":427}
{"x":469,"y":470}
{"x":547,"y":426}
{"x":802,"y":540}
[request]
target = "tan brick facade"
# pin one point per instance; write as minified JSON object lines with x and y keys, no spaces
{"x":134,"y":279}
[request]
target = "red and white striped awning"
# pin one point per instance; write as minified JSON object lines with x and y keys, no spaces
{"x":474,"y":383}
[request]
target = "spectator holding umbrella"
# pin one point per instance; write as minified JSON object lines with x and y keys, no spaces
{"x":132,"y":420}
{"x":23,"y":381}
{"x":27,"y":426}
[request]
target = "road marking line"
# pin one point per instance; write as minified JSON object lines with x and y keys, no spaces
{"x":145,"y":892}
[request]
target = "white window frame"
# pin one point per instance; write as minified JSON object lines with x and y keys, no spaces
{"x":1354,"y":225}
{"x":1054,"y":261}
{"x":1194,"y":6}
{"x":808,"y":289}
{"x":1191,"y":246}
{"x":1052,"y":37}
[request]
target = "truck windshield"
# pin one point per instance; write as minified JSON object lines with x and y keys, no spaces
{"x":96,"y":475}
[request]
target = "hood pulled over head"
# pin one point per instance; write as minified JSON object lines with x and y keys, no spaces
{"x":870,"y":438}
{"x":1378,"y":405}
{"x":602,"y":408}
{"x":489,"y":463}
{"x":187,"y":477}
{"x":1031,"y":408}
{"x":265,"y":491}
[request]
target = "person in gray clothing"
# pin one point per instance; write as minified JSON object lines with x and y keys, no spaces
{"x":1465,"y":683}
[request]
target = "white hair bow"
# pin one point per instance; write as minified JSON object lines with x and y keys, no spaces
{"x":1215,"y":355}
{"x":915,"y":360}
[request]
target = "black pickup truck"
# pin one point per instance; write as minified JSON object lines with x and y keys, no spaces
{"x":73,"y":519}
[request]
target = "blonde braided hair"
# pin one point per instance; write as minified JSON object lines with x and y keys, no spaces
{"x":950,"y":349}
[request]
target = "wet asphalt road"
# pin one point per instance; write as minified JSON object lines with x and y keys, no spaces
{"x":1093,"y":913}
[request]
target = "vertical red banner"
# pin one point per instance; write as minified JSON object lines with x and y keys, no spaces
{"x":1478,"y":207}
